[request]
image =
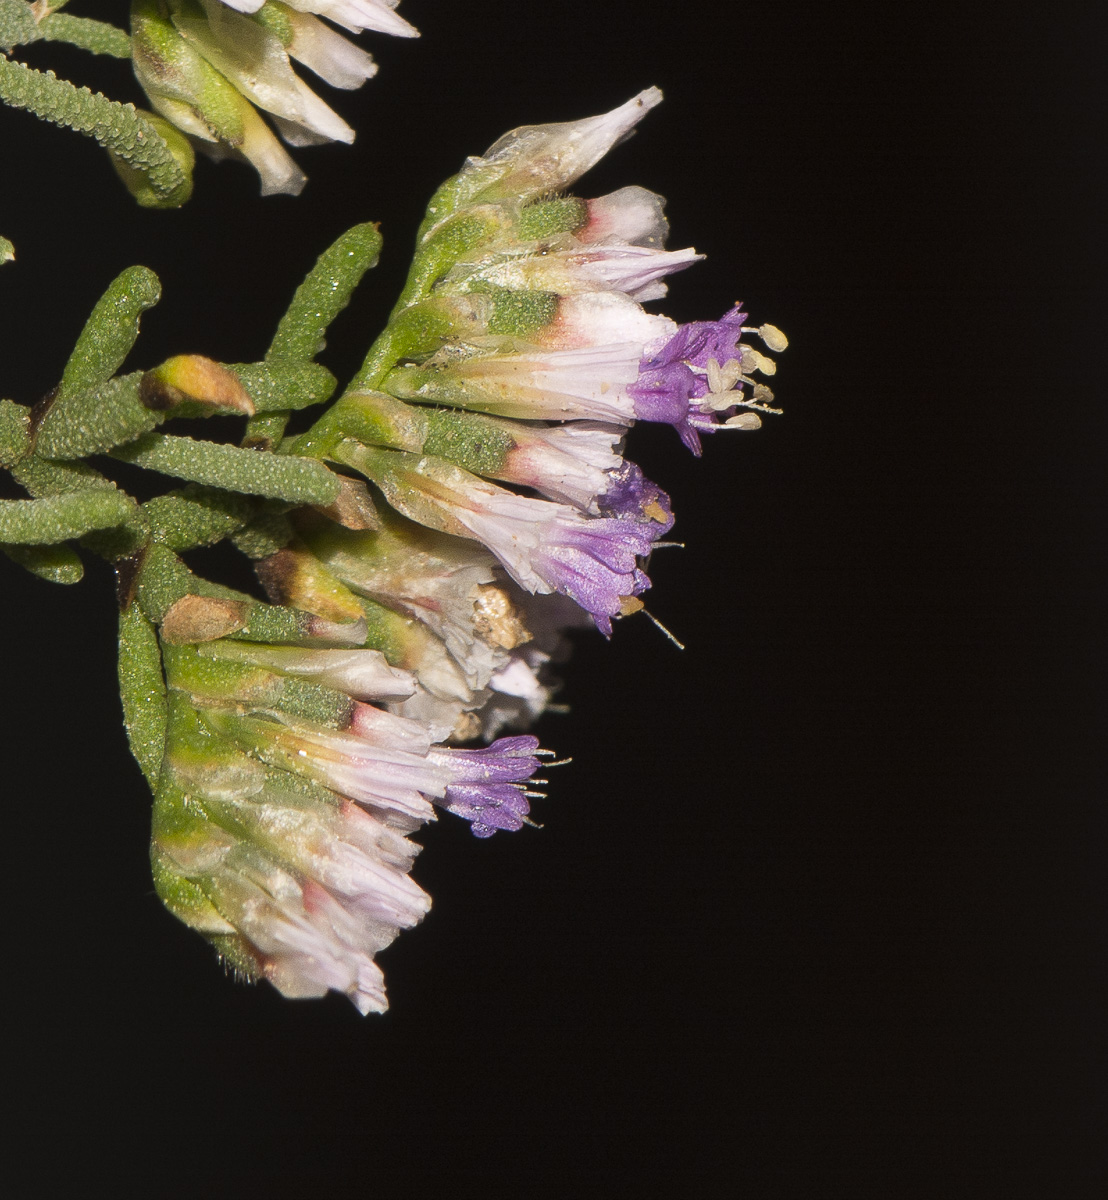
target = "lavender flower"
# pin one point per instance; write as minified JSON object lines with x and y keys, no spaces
{"x":284,"y":801}
{"x":544,"y":546}
{"x":698,"y":375}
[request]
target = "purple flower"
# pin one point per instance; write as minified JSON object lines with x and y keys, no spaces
{"x":507,"y":760}
{"x":488,"y":807}
{"x":633,"y":497}
{"x":697,"y":377}
{"x":544,"y":546}
{"x":488,"y":790}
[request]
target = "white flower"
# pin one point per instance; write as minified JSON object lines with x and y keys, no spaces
{"x":535,"y":159}
{"x":355,"y":15}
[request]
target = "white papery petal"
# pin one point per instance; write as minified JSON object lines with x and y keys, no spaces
{"x":548,"y":157}
{"x":380,"y":728}
{"x":279,"y":173}
{"x":589,"y":383}
{"x":603,"y":319}
{"x":254,"y":60}
{"x":357,"y":15}
{"x":332,"y":57}
{"x":631,"y":216}
{"x":363,"y":674}
{"x":566,"y":462}
{"x":636,"y":270}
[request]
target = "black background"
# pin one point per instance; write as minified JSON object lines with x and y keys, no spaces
{"x":819,"y":908}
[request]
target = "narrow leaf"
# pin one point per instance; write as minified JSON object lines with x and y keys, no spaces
{"x":279,"y":386}
{"x":325,"y":293}
{"x":15,"y":437}
{"x":56,"y":564}
{"x":318,"y":300}
{"x":41,"y":477}
{"x":196,"y":516}
{"x":142,"y":690}
{"x":164,"y":581}
{"x":111,"y":330}
{"x":117,"y":127}
{"x":98,"y":37}
{"x":57,"y":518}
{"x":93,"y":421}
{"x":282,"y":477}
{"x":17,"y":25}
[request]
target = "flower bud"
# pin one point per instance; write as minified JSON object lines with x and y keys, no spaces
{"x":195,"y":379}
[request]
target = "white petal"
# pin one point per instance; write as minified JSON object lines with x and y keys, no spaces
{"x":331,"y":56}
{"x":357,"y":15}
{"x":603,"y":319}
{"x":269,"y":158}
{"x":363,"y":674}
{"x":633,"y":216}
{"x":255,"y":61}
{"x":546,"y":157}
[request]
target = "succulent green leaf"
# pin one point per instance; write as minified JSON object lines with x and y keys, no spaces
{"x":142,"y":690}
{"x":265,"y":431}
{"x":318,"y":300}
{"x":92,"y":421}
{"x":41,"y":477}
{"x":7,"y":251}
{"x":137,"y":182}
{"x":98,"y":37}
{"x":56,"y":564}
{"x":18,"y":26}
{"x":282,"y":477}
{"x":117,"y":127}
{"x":325,"y":293}
{"x":163,"y":579}
{"x":58,"y":518}
{"x":279,"y":386}
{"x":264,"y":536}
{"x":15,"y":436}
{"x":196,"y":516}
{"x":110,"y":331}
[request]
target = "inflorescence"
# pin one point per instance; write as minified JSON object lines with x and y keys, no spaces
{"x":425,"y":545}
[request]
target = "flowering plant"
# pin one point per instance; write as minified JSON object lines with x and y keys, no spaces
{"x":424,"y":544}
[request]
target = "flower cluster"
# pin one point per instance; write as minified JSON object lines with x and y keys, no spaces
{"x":471,"y":503}
{"x":207,"y":68}
{"x":283,"y":802}
{"x":493,"y":411}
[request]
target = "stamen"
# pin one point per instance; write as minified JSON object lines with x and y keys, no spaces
{"x":666,"y":545}
{"x":679,"y":645}
{"x":771,"y":335}
{"x":753,"y":361}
